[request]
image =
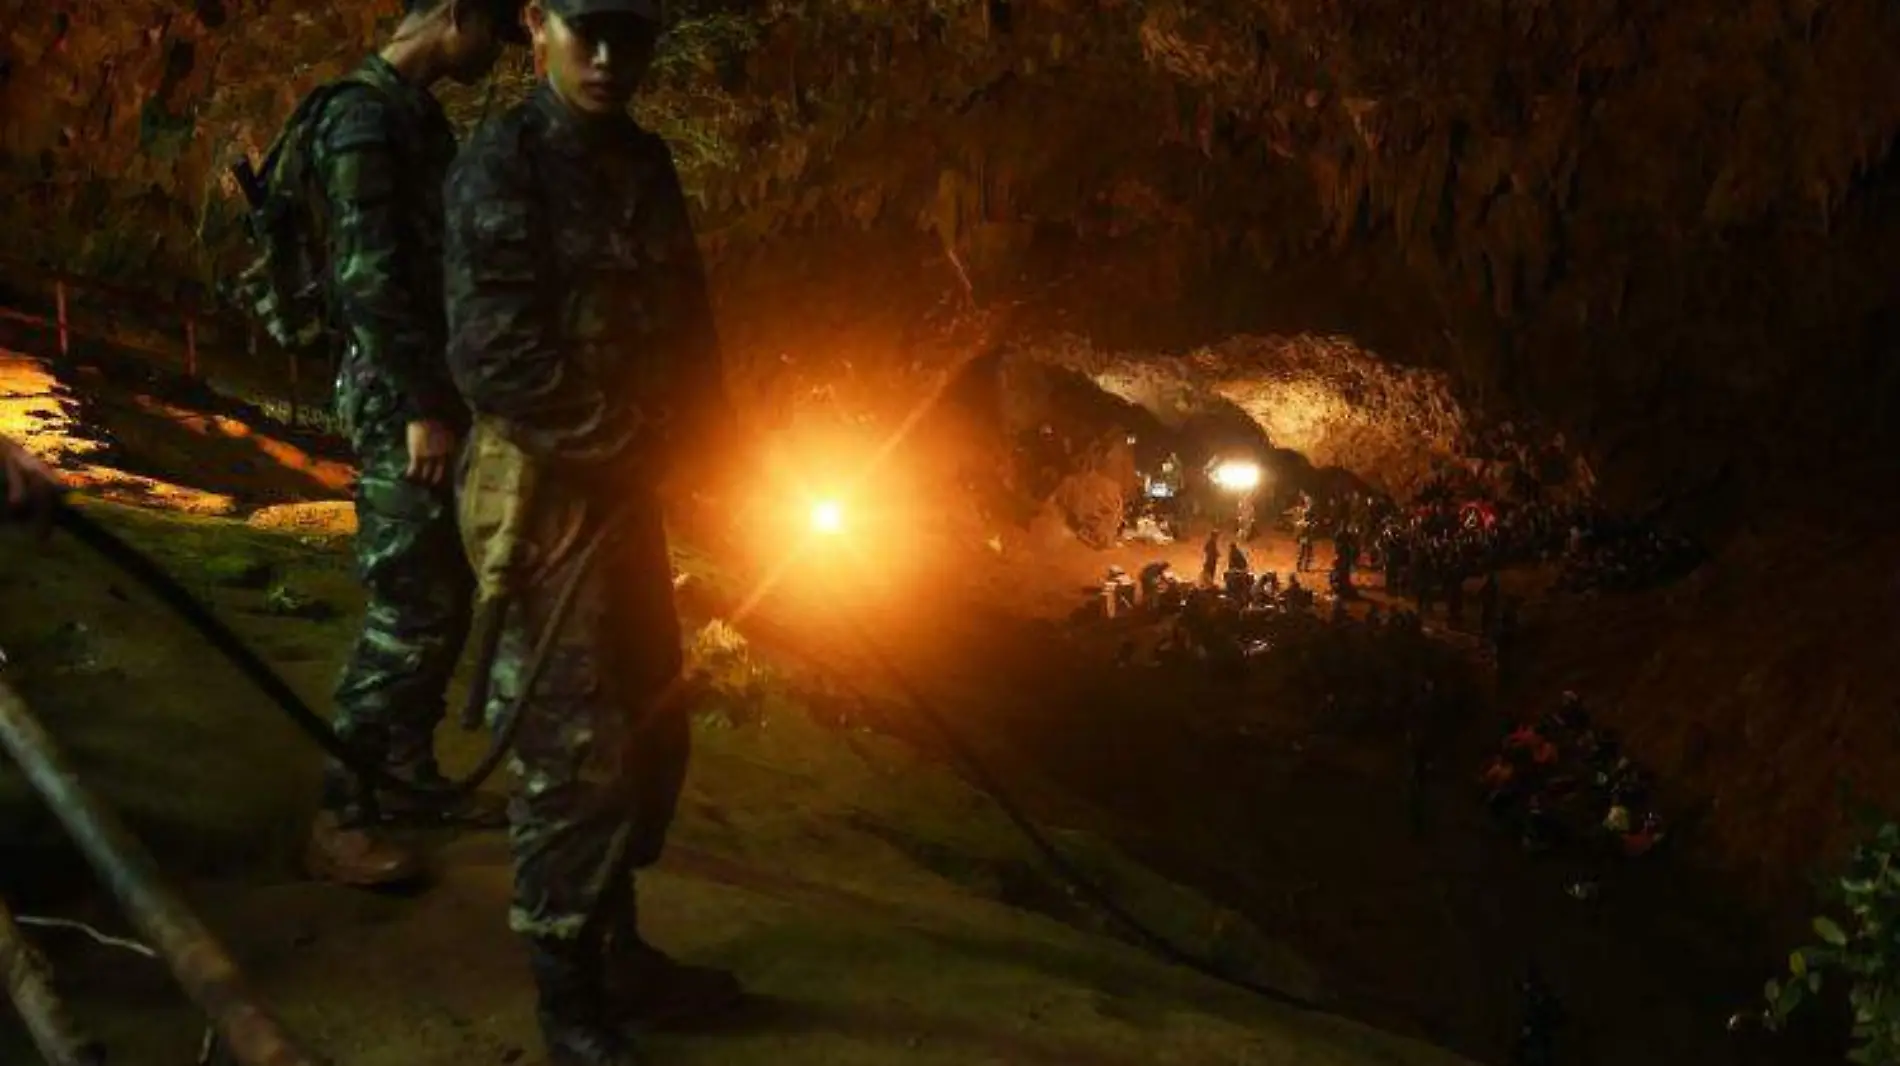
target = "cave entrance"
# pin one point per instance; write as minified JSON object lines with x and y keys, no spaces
{"x":1100,"y":439}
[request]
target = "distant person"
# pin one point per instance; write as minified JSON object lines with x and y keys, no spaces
{"x":1268,"y":590}
{"x":1239,"y":575}
{"x":1303,"y":521}
{"x":1151,"y":578}
{"x":1298,"y":597}
{"x":1340,"y":580}
{"x":1210,"y":558}
{"x":32,"y":486}
{"x":380,"y":149}
{"x":1346,"y":550}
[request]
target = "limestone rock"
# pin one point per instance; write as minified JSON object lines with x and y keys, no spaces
{"x":1324,"y":397}
{"x":1091,"y":503}
{"x":335,"y":518}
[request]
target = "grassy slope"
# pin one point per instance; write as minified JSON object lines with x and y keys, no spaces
{"x":867,"y":895}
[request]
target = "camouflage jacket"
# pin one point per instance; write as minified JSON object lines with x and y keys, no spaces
{"x":382,"y":152}
{"x":577,"y":302}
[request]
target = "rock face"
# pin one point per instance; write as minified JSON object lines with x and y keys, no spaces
{"x":1091,"y":504}
{"x":119,"y":120}
{"x":1323,"y":397}
{"x":1667,"y":227}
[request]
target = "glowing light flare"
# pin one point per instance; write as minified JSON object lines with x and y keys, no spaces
{"x":827,"y":517}
{"x":1238,"y":475}
{"x":880,"y":547}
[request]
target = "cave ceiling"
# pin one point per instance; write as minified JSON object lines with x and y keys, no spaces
{"x":1660,"y":224}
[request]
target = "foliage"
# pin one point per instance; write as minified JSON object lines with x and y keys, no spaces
{"x":1865,"y":952}
{"x":288,"y":601}
{"x":736,"y":686}
{"x":688,"y":102}
{"x":238,"y":569}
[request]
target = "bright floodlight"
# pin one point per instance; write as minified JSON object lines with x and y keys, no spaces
{"x":1237,"y":475}
{"x":827,"y":516}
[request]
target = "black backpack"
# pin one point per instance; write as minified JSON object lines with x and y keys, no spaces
{"x":285,"y":289}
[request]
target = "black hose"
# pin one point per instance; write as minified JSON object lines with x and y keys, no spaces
{"x":1064,"y":868}
{"x":494,"y":622}
{"x":220,"y":636}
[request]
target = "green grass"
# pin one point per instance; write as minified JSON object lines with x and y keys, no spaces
{"x":200,"y":764}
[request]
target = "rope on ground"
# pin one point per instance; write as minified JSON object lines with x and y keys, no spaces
{"x":213,"y":629}
{"x":95,"y":935}
{"x":991,"y":785}
{"x":27,"y":980}
{"x":208,"y":1045}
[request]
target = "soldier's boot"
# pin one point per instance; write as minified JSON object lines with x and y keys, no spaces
{"x":413,"y":760}
{"x":649,"y":989}
{"x":571,"y":1007}
{"x":346,"y":849}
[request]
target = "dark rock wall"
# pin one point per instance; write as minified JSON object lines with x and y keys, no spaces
{"x":1665,"y":227}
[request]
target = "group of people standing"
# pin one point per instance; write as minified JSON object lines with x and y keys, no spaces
{"x":527,"y":345}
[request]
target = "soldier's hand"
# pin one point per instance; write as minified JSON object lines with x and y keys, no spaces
{"x":31,"y":486}
{"x":431,"y":452}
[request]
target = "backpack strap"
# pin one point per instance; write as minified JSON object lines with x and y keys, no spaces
{"x":309,"y":110}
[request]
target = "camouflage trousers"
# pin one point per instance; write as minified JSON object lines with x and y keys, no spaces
{"x":393,"y":691}
{"x":599,"y":758}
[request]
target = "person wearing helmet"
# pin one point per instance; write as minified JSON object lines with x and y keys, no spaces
{"x":581,"y":336}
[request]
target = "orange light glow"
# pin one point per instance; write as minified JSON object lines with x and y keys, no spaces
{"x":831,"y":518}
{"x":1238,"y":475}
{"x":827,"y":516}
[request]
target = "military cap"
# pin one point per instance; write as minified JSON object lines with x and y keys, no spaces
{"x":508,"y":21}
{"x":506,"y":14}
{"x":570,"y":9}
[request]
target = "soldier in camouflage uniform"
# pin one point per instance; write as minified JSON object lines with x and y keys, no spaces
{"x":581,"y":336}
{"x":381,"y":147}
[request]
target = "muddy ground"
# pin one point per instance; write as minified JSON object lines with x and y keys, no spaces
{"x":884,"y":908}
